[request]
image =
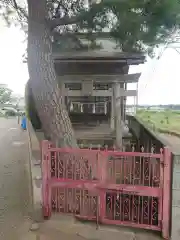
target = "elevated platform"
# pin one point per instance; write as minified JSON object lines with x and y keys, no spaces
{"x":96,"y":131}
{"x":99,"y":135}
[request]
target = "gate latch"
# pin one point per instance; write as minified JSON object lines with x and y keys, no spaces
{"x":162,"y":162}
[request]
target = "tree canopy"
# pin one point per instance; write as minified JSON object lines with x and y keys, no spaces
{"x":5,"y":94}
{"x":8,"y":97}
{"x":134,"y":25}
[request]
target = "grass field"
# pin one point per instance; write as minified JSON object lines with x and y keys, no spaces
{"x":167,"y":120}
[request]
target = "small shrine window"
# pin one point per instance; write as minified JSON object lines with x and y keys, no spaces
{"x":73,"y":86}
{"x":101,"y":86}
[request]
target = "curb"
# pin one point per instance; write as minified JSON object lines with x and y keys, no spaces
{"x":35,"y":180}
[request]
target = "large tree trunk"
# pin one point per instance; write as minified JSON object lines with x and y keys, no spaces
{"x":49,"y":103}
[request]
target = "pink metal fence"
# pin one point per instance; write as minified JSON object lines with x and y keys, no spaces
{"x":122,"y":188}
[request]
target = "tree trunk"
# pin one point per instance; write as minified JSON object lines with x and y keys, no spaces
{"x":31,"y":110}
{"x":49,"y":103}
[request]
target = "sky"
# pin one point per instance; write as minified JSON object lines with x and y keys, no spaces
{"x":158,"y":84}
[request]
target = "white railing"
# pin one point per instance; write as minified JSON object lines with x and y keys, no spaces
{"x":131,"y":110}
{"x":99,"y":107}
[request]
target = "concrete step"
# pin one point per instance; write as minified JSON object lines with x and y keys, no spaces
{"x":70,"y":227}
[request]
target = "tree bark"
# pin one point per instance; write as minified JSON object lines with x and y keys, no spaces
{"x":49,"y":103}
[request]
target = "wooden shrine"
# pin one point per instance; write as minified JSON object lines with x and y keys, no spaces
{"x":94,"y":86}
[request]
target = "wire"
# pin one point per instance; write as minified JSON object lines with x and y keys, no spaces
{"x":177,"y":50}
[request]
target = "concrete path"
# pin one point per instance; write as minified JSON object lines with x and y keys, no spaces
{"x":173,"y":142}
{"x":14,"y":186}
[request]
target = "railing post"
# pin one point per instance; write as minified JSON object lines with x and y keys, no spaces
{"x":45,"y":178}
{"x":118,"y":126}
{"x":102,"y":167}
{"x":166,"y":194}
{"x":175,"y":224}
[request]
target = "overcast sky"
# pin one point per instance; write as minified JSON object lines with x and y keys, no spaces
{"x":159,"y":82}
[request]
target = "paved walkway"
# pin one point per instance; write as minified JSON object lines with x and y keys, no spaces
{"x":14,"y":186}
{"x":173,"y":141}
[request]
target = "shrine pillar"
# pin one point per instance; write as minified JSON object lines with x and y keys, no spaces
{"x":122,"y":85}
{"x":124,"y":102}
{"x":118,"y":116}
{"x":112,"y":119}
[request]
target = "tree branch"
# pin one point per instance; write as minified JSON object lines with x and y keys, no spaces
{"x":19,"y":9}
{"x":64,"y":21}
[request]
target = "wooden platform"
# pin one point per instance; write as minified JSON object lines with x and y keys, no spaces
{"x":98,"y":135}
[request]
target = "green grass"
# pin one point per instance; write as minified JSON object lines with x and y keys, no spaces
{"x":167,"y":120}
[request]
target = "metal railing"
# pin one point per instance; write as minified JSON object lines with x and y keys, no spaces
{"x":121,"y":188}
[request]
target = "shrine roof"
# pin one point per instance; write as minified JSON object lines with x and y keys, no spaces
{"x":100,"y":56}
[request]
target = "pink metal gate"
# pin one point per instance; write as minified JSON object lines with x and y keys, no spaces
{"x":122,"y":188}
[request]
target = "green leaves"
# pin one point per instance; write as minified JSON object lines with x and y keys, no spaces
{"x":135,"y":25}
{"x":5,"y":94}
{"x":143,"y":23}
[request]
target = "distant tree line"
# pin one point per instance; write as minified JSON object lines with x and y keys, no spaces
{"x":168,"y":106}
